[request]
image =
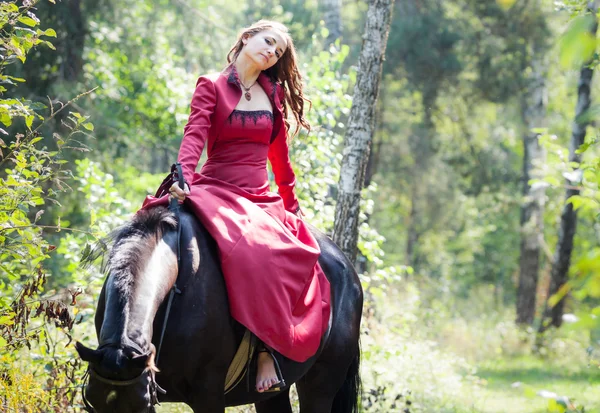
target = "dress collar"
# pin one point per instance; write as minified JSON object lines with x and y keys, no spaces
{"x":268,"y":84}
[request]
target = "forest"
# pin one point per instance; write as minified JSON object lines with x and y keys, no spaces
{"x":478,"y":226}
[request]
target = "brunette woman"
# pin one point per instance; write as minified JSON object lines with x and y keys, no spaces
{"x":268,"y":256}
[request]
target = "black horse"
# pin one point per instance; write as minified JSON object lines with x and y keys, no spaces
{"x":201,"y":337}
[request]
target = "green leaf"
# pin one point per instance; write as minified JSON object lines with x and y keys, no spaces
{"x":577,"y":45}
{"x":552,"y":181}
{"x":50,"y":45}
{"x":6,"y":320}
{"x":50,"y":32}
{"x":88,"y":126}
{"x":28,"y":21}
{"x":506,"y":4}
{"x":5,"y":118}
{"x":16,"y":79}
{"x":584,"y":147}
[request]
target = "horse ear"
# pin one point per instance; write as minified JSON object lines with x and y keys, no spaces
{"x":87,"y":354}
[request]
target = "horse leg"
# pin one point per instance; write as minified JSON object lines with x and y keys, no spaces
{"x":208,"y":396}
{"x":207,"y":407}
{"x":317,"y":389}
{"x":277,"y":404}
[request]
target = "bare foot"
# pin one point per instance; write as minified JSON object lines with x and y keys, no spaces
{"x":266,"y":376}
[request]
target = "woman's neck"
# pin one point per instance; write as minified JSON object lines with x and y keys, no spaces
{"x":247,"y":71}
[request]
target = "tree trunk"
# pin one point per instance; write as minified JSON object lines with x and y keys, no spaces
{"x":532,"y":211}
{"x":568,"y":219}
{"x":423,"y":147}
{"x":72,"y":66}
{"x":360,"y":126}
{"x":332,"y":16}
{"x":412,"y":234}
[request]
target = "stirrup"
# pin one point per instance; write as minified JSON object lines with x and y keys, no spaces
{"x":281,"y":383}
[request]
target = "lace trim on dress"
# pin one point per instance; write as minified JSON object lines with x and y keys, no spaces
{"x":254,"y":115}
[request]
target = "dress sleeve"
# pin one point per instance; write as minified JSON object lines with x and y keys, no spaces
{"x":197,"y":128}
{"x":279,"y":157}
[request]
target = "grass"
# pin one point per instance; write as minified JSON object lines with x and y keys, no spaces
{"x":516,"y":382}
{"x":429,"y":356}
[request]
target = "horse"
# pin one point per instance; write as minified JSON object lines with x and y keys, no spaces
{"x":201,"y":337}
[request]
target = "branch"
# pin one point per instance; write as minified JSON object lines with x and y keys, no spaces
{"x":53,"y":114}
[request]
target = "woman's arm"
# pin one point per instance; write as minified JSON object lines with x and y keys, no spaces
{"x":285,"y":179}
{"x":197,"y":128}
{"x":279,"y":156}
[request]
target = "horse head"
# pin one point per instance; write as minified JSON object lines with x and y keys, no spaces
{"x":121,"y":379}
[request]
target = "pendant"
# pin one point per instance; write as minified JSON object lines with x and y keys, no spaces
{"x":248,"y":95}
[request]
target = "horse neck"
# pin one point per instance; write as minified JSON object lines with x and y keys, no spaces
{"x":135,"y":290}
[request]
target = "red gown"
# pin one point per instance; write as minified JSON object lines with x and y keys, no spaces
{"x":268,"y":257}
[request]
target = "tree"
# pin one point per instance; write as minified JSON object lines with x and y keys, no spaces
{"x":568,"y":220}
{"x":424,"y":41}
{"x":532,"y":210}
{"x":360,"y":126}
{"x":332,"y":15}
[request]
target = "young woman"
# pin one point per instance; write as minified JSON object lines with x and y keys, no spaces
{"x":268,"y":256}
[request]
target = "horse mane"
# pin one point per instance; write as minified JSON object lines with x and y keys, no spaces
{"x":129,"y":246}
{"x":135,"y":242}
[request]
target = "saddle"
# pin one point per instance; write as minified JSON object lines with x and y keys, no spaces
{"x":241,"y":361}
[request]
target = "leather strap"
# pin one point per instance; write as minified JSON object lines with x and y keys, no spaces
{"x":239,"y":364}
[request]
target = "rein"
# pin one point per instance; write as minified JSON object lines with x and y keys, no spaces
{"x":176,"y":209}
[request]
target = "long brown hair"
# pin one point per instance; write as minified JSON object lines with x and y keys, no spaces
{"x":285,"y":71}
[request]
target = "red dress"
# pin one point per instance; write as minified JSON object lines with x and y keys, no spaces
{"x":268,"y":256}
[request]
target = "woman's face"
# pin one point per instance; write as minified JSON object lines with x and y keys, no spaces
{"x":265,"y":48}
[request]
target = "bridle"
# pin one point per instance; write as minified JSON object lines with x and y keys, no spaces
{"x":153,"y":385}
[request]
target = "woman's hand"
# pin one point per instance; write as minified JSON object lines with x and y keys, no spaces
{"x":179,"y":194}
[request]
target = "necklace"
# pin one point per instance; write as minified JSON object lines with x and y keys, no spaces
{"x":247,"y":93}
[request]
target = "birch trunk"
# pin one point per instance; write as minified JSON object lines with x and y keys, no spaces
{"x":568,"y":219}
{"x":332,"y":16}
{"x":359,"y":133}
{"x":532,"y":211}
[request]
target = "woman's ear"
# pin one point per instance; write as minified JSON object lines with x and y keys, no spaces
{"x":245,"y":38}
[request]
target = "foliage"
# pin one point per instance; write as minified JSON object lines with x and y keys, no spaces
{"x":453,"y":357}
{"x":574,"y":48}
{"x":33,"y":176}
{"x":317,"y":171}
{"x":447,"y":176}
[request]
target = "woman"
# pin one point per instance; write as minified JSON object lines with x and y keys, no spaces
{"x":275,"y":286}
